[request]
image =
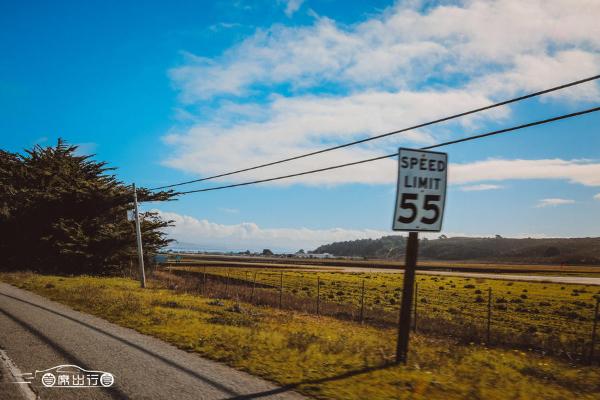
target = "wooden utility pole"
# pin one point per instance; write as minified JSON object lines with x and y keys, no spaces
{"x":412,"y":249}
{"x":138,"y":234}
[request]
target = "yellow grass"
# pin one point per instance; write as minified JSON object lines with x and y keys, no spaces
{"x":319,"y":356}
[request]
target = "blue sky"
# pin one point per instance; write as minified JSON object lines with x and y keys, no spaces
{"x":170,"y":92}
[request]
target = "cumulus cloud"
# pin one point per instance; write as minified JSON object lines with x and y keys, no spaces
{"x":291,"y":6}
{"x":248,"y":235}
{"x":399,"y":47}
{"x":480,"y":187}
{"x":553,"y":202}
{"x":299,"y":125}
{"x":192,"y":233}
{"x":597,"y":197}
{"x":575,"y":171}
{"x":257,"y":99}
{"x":471,"y":176}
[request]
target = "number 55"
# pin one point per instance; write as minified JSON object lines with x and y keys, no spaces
{"x":408,"y":202}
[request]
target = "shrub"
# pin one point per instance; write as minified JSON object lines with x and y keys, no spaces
{"x":301,"y":340}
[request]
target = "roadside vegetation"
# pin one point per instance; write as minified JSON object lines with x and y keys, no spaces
{"x":64,"y":213}
{"x":556,"y":318}
{"x":572,"y":251}
{"x":320,"y":356}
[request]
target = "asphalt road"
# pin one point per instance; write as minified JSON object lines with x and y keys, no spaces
{"x":37,"y":334}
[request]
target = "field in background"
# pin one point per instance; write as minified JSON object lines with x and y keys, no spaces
{"x":556,"y":318}
{"x":319,"y":356}
{"x":289,"y":262}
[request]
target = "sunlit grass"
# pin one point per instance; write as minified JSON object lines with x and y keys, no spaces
{"x":556,"y":317}
{"x":294,"y":348}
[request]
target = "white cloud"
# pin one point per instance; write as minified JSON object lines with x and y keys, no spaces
{"x":473,"y":175}
{"x":291,"y":6}
{"x":401,"y":46}
{"x":224,"y":25}
{"x":249,"y":235}
{"x":553,"y":202}
{"x":299,"y":125}
{"x":597,"y":197}
{"x":194,"y":233}
{"x":575,"y":171}
{"x":377,"y":69}
{"x":534,"y":72}
{"x":480,"y":187}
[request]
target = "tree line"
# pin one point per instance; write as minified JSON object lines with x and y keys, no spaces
{"x":497,"y":248}
{"x":61,"y":212}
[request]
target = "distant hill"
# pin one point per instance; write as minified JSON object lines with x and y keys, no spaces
{"x":553,"y":251}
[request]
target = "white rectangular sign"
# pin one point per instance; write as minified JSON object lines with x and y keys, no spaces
{"x":421,"y":192}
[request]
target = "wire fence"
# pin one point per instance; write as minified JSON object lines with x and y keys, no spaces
{"x":471,"y":312}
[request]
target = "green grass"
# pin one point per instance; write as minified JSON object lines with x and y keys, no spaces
{"x":294,"y":348}
{"x":554,"y":317}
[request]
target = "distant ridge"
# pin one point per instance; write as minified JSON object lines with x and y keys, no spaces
{"x":555,"y":251}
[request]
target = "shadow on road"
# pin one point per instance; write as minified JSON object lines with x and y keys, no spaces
{"x":215,"y":384}
{"x":293,"y":386}
{"x":114,"y":392}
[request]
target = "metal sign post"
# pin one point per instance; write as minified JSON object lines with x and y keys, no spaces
{"x":412,"y":249}
{"x":138,"y":234}
{"x":420,"y":201}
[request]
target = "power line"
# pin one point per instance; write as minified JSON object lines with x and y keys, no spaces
{"x":483,"y":135}
{"x":502,"y":103}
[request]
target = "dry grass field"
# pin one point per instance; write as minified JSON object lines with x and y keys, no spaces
{"x":261,"y":262}
{"x":323,"y":357}
{"x":556,"y":318}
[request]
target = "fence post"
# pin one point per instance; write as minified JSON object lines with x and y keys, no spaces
{"x":489,"y":316}
{"x":280,"y":288}
{"x":318,"y":297}
{"x":362,"y":302}
{"x":594,"y":326}
{"x":227,"y":284}
{"x":204,"y":282}
{"x":253,"y":287}
{"x":415,"y":306}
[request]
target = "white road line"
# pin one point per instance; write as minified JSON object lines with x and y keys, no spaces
{"x":25,"y":388}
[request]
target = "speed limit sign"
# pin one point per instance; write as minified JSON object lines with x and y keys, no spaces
{"x":421,"y":192}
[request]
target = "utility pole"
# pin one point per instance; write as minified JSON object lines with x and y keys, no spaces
{"x":138,"y":234}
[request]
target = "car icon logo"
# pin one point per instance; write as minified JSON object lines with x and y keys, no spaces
{"x":72,"y":376}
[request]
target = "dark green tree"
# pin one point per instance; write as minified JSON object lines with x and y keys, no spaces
{"x":61,"y":212}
